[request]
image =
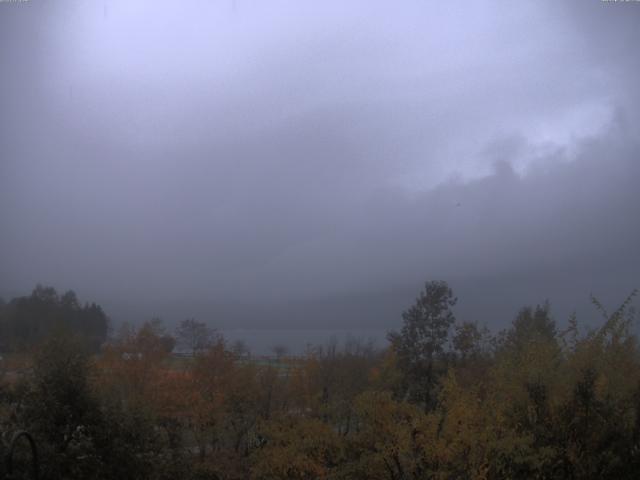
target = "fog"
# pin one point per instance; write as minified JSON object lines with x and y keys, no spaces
{"x":310,"y":164}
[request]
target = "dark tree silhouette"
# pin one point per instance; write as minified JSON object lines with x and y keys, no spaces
{"x":422,"y":338}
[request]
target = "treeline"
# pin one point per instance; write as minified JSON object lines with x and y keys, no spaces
{"x":445,"y":400}
{"x":27,"y":321}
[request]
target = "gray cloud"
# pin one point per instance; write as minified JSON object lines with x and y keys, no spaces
{"x":288,"y":163}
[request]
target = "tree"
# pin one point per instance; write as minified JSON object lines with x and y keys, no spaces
{"x":240,"y":349}
{"x":60,"y":408}
{"x":330,"y":378}
{"x":531,"y":325}
{"x":279,"y":351}
{"x":83,"y":430}
{"x":296,"y":448}
{"x":422,"y":339}
{"x":124,"y":333}
{"x":469,"y":340}
{"x":388,"y":443}
{"x":194,"y":336}
{"x":152,"y":341}
{"x":31,"y":319}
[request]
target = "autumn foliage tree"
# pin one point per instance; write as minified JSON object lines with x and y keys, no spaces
{"x":194,"y":336}
{"x":444,"y":400}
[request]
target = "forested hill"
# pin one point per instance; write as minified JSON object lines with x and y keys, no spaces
{"x":26,"y":321}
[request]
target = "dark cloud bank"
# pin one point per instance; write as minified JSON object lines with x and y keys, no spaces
{"x":311,"y":166}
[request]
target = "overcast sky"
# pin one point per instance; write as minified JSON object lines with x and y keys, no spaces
{"x":311,"y":164}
